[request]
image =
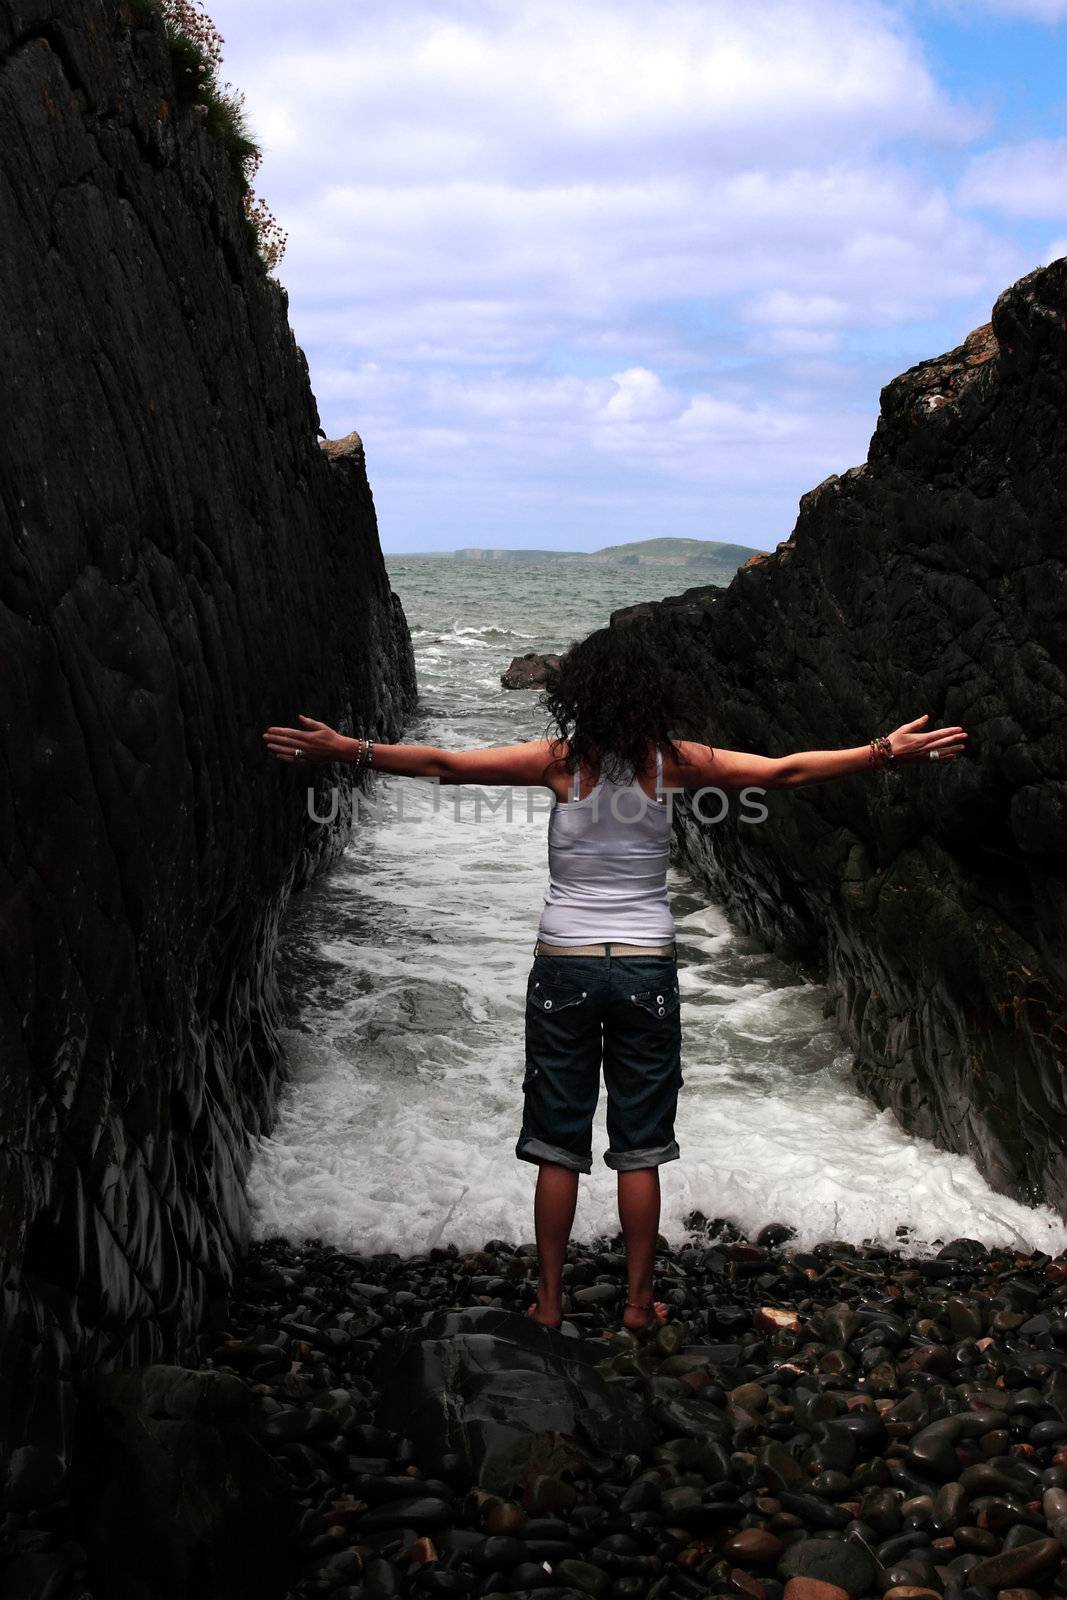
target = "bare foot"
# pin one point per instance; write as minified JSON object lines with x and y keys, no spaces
{"x":548,"y":1316}
{"x":644,"y":1314}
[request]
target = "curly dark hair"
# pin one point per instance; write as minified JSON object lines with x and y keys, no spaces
{"x":612,"y":698}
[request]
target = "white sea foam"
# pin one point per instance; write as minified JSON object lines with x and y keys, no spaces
{"x":488,"y":637}
{"x":397,"y":1128}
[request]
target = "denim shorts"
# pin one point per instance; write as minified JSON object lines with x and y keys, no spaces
{"x":584,"y":1012}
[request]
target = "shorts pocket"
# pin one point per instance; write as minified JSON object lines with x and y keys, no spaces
{"x":659,"y":1002}
{"x":552,"y":997}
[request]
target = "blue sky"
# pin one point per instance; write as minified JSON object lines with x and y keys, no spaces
{"x":589,"y":273}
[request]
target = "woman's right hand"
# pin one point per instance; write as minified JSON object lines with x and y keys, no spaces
{"x":315,"y":741}
{"x":913,"y":742}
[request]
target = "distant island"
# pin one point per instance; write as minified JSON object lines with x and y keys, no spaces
{"x":711,"y":559}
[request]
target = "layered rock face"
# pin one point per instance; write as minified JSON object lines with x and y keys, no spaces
{"x":932,"y":900}
{"x":182,"y":564}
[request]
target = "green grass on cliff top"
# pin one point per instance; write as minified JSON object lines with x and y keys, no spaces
{"x":196,"y":83}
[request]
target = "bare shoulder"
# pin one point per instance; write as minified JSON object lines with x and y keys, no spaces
{"x":692,"y":766}
{"x":544,"y":757}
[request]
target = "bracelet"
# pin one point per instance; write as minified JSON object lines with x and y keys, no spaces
{"x":366,"y":751}
{"x":881,"y":752}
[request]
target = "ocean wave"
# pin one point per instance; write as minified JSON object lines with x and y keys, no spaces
{"x":490,"y":631}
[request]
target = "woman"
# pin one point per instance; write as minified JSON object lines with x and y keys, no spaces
{"x":603,"y":988}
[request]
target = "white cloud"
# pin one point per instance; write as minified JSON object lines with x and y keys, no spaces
{"x":780,"y":306}
{"x":562,"y":249}
{"x":640,"y":396}
{"x":727,"y":437}
{"x":521,"y":88}
{"x":489,"y":272}
{"x":1024,"y":180}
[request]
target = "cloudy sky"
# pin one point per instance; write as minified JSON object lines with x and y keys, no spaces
{"x":582,"y":271}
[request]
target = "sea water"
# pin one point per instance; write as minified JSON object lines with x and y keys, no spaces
{"x":404,"y":971}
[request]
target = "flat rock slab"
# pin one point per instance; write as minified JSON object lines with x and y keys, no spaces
{"x":497,"y":1391}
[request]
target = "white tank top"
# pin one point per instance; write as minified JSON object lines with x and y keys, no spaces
{"x":608,"y":854}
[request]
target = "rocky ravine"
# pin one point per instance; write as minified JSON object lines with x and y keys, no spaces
{"x":182,"y":564}
{"x":934,"y":901}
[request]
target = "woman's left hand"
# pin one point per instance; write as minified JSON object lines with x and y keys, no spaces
{"x":315,"y":741}
{"x":913,"y":742}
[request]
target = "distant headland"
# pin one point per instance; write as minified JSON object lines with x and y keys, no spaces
{"x":694,"y":553}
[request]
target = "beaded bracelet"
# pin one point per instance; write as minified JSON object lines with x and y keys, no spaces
{"x":366,"y":750}
{"x":881,"y":752}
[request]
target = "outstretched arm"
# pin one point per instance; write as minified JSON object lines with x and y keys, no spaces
{"x":735,"y":769}
{"x":505,"y":763}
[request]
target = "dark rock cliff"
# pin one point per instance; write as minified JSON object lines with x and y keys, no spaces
{"x":181,"y":564}
{"x":933,"y":901}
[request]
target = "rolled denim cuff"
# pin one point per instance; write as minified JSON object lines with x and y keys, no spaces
{"x":631,"y":1160}
{"x":537,"y":1151}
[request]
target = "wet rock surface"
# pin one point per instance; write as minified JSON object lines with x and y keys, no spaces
{"x":181,"y":564}
{"x":697,"y":601}
{"x":485,"y":1387}
{"x":528,"y":671}
{"x":809,"y":1425}
{"x":933,"y":901}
